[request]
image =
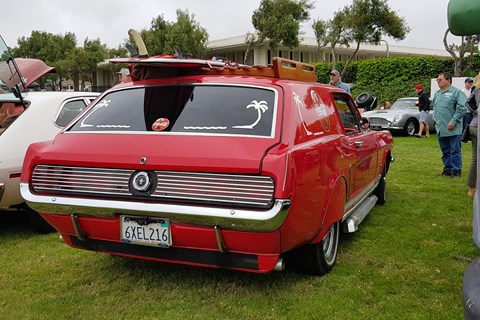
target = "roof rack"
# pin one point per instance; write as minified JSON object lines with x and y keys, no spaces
{"x":280,"y":68}
{"x":168,"y":66}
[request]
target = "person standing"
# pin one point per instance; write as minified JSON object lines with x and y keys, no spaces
{"x":473,"y":127}
{"x":336,"y":80}
{"x":386,"y":106}
{"x":423,"y":104}
{"x":448,"y":112}
{"x":124,"y":76}
{"x":467,"y":89}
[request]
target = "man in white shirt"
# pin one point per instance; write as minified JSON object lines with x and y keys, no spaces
{"x":468,"y":87}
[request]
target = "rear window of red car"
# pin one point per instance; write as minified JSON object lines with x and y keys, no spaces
{"x":184,"y":109}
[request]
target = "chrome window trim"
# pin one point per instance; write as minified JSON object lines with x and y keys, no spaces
{"x":274,"y":115}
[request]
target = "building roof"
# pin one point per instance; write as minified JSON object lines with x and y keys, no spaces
{"x":309,"y":43}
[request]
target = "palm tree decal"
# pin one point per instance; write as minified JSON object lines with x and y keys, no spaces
{"x":261,"y":107}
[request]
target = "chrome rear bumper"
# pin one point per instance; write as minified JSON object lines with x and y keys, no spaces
{"x":255,"y":220}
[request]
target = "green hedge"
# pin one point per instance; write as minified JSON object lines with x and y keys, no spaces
{"x":392,"y":78}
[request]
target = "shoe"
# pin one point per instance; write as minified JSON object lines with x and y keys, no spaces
{"x":427,"y":136}
{"x":455,"y":174}
{"x":418,"y":135}
{"x":445,"y":173}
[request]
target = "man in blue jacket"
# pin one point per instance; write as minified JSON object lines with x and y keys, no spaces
{"x":449,"y":109}
{"x":336,"y":80}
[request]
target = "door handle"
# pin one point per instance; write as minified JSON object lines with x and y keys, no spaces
{"x":358,"y":144}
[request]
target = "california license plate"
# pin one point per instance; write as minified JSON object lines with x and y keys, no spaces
{"x":145,"y":231}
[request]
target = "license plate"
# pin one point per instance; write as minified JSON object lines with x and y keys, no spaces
{"x":145,"y":231}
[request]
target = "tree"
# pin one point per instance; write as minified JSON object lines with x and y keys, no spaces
{"x":186,"y":33}
{"x":367,"y":21}
{"x":332,"y":33}
{"x":251,"y":39}
{"x":279,"y":21}
{"x":155,"y":37}
{"x":50,"y":48}
{"x":82,"y":62}
{"x":61,"y":52}
{"x":469,"y":44}
{"x":45,"y":46}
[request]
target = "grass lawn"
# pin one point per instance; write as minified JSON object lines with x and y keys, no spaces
{"x":405,"y":262}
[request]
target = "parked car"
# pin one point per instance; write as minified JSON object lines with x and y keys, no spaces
{"x":212,"y":164}
{"x":403,"y":117}
{"x":25,"y":118}
{"x":46,"y":114}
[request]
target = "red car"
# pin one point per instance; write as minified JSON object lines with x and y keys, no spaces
{"x":211,"y":164}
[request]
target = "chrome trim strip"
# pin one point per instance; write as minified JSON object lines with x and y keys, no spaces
{"x":226,"y":218}
{"x":354,"y":203}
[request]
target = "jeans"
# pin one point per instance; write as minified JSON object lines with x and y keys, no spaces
{"x":451,"y":153}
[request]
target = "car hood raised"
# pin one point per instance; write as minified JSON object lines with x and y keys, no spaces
{"x":19,"y":73}
{"x":32,"y":69}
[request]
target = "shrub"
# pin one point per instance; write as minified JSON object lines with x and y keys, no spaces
{"x":392,"y":78}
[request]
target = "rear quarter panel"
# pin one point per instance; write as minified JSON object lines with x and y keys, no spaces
{"x":316,"y":158}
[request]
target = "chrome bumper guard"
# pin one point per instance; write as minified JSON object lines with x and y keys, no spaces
{"x":225,"y":218}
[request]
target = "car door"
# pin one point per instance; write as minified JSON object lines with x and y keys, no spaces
{"x":364,"y":143}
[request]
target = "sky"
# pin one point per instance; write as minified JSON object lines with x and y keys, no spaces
{"x":109,"y":20}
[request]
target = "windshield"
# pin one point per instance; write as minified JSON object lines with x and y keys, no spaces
{"x":404,"y":104}
{"x":9,"y":75}
{"x":184,"y":109}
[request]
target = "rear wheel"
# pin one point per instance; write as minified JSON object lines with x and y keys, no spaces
{"x":318,"y":258}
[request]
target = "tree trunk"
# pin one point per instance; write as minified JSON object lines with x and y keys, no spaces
{"x":334,"y":60}
{"x":76,"y":82}
{"x":457,"y":69}
{"x":351,"y":58}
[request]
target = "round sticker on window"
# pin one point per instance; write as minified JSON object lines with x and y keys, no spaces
{"x":160,"y":124}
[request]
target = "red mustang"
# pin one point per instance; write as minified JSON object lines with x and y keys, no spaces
{"x":204,"y":163}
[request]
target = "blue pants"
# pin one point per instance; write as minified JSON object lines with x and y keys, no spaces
{"x":466,"y":119}
{"x":451,"y":153}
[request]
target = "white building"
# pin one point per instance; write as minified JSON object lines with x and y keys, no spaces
{"x":235,"y":49}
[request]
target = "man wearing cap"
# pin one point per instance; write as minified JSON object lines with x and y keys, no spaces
{"x":335,"y":80}
{"x":449,"y":109}
{"x":423,"y":104}
{"x":124,"y":76}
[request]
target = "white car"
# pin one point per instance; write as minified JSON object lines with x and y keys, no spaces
{"x":46,"y":114}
